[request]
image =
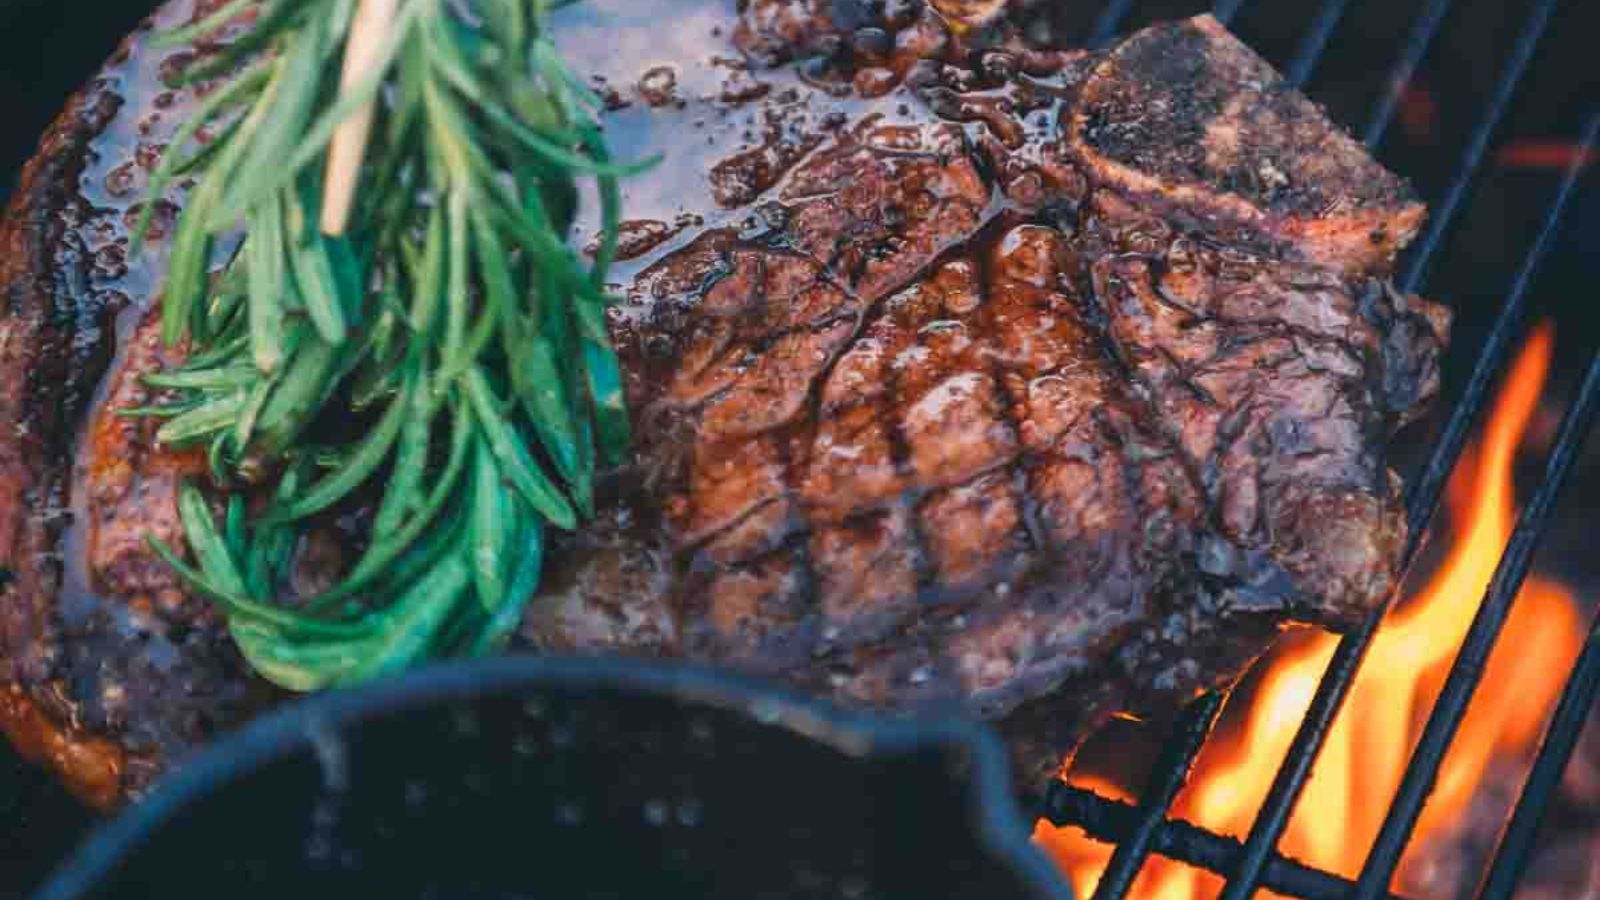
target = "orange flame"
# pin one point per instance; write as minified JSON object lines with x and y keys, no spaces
{"x":1367,"y":750}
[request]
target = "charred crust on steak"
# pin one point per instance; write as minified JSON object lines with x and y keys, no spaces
{"x":1184,"y":112}
{"x":53,"y":348}
{"x":102,"y":690}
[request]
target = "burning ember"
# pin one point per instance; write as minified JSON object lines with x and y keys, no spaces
{"x":1543,"y":153}
{"x":1366,"y":753}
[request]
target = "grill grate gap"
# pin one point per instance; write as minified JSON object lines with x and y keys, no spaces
{"x":1422,"y":32}
{"x":1577,"y":699}
{"x":1171,"y":772}
{"x":1471,"y":161}
{"x":1315,"y":41}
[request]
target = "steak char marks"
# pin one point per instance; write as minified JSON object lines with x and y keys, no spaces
{"x":1041,"y":422}
{"x":916,"y":444}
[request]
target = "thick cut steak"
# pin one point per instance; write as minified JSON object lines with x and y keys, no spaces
{"x":1040,"y":390}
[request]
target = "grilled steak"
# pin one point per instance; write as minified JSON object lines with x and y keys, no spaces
{"x":1041,"y":389}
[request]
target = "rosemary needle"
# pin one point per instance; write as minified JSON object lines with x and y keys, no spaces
{"x":403,"y":328}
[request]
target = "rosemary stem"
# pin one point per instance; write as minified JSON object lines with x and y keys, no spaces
{"x":440,"y":314}
{"x":368,"y":32}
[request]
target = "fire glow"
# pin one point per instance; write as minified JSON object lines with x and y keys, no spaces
{"x":1366,"y":753}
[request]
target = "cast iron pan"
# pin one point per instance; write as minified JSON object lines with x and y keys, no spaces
{"x":595,"y":778}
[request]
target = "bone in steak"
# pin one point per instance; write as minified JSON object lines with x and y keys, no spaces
{"x":1053,"y":390}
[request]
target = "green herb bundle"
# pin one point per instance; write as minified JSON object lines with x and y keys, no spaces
{"x":443,"y":363}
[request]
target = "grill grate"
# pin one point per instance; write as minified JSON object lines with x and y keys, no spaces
{"x":1316,"y":40}
{"x":1140,"y":830}
{"x":1576,"y":700}
{"x":1514,"y":565}
{"x":1422,"y":32}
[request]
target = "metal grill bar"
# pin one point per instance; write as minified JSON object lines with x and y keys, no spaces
{"x":1315,"y":41}
{"x":1346,"y":662}
{"x":1422,"y":32}
{"x":1109,"y":20}
{"x":1171,"y":772}
{"x":1131,"y":854}
{"x":1106,"y":820}
{"x":1287,"y":785}
{"x":1142,"y":830}
{"x":1577,"y":699}
{"x":1467,"y":670}
{"x":1119,"y":828}
{"x":1225,"y":10}
{"x":1422,"y":500}
{"x":1444,"y":211}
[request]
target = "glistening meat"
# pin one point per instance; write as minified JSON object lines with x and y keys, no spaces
{"x":1043,"y":390}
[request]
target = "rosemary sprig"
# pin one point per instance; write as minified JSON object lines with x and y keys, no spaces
{"x":444,"y":359}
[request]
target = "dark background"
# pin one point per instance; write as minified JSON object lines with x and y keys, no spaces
{"x":49,"y":47}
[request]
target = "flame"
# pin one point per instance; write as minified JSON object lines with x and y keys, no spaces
{"x":1367,"y":749}
{"x":1083,"y":860}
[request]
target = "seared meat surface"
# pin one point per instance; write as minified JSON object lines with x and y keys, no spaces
{"x":1041,"y":391}
{"x":1191,"y":116}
